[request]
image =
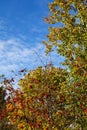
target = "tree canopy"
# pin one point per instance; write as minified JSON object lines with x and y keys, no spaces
{"x":70,"y":41}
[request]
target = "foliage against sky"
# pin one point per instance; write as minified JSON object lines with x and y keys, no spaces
{"x":50,"y":97}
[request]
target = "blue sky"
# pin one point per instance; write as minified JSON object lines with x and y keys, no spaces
{"x":22,"y":30}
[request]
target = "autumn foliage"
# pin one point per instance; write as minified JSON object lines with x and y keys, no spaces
{"x":51,"y":98}
{"x":41,"y":101}
{"x":70,"y":41}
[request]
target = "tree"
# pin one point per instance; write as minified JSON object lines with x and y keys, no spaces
{"x":2,"y":107}
{"x":41,"y":102}
{"x":70,"y":41}
{"x":3,"y":114}
{"x":4,"y":121}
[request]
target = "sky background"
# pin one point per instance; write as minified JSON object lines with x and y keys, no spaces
{"x":22,"y":30}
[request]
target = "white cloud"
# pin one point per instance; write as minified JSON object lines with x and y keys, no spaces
{"x":15,"y":55}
